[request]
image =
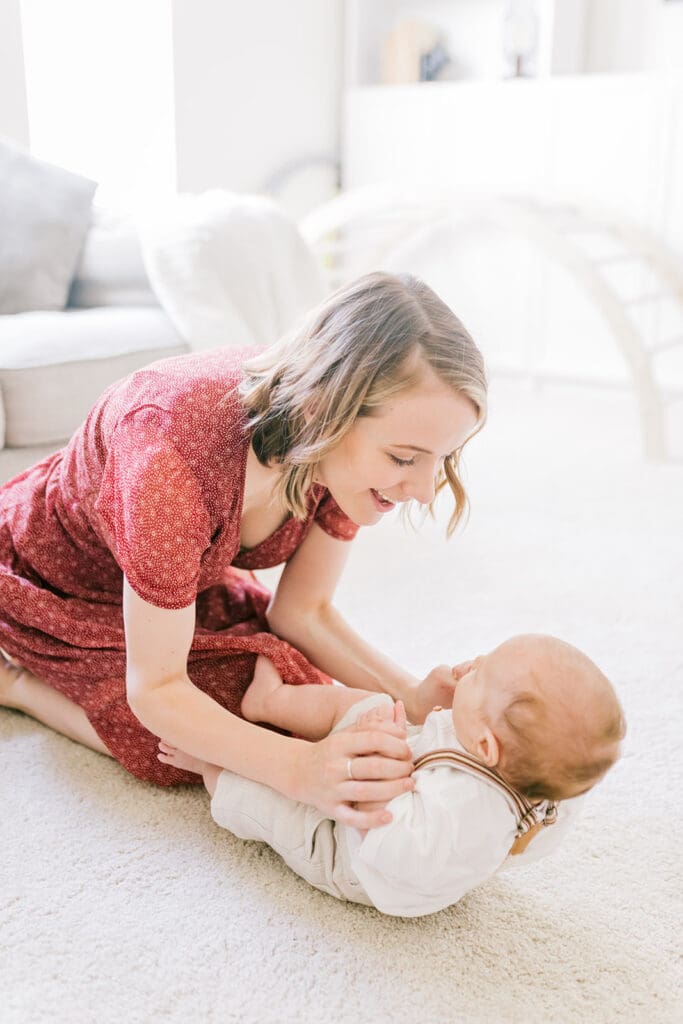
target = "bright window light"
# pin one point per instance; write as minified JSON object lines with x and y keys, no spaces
{"x":99,"y":84}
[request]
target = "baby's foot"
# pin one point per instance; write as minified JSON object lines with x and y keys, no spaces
{"x":10,"y":673}
{"x":179,"y":759}
{"x":266,"y":680}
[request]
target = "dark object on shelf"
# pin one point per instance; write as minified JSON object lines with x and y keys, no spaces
{"x":433,"y":63}
{"x":520,"y":37}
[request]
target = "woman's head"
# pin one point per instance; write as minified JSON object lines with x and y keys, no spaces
{"x":381,"y":369}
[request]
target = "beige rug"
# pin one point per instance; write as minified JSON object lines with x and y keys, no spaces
{"x":122,"y":903}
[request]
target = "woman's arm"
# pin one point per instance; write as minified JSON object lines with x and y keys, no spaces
{"x":302,"y":613}
{"x":164,"y":699}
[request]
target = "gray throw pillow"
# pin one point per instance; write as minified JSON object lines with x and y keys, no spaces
{"x":44,"y":218}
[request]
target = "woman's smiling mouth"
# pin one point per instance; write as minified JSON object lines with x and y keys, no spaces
{"x":383,"y":503}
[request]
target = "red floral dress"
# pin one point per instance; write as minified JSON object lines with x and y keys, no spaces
{"x":151,"y":485}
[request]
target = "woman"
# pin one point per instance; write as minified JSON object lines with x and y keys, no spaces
{"x":123,"y":592}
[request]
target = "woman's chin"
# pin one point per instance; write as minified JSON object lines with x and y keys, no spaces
{"x":359,"y":512}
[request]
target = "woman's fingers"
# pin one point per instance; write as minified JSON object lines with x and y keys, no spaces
{"x":366,"y":767}
{"x":361,"y":820}
{"x":374,"y":805}
{"x":381,"y":791}
{"x":377,"y":741}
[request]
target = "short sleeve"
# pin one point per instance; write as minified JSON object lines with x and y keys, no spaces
{"x":152,"y":511}
{"x":446,"y":837}
{"x":332,"y":520}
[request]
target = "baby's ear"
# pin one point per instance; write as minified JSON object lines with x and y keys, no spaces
{"x":488,"y":748}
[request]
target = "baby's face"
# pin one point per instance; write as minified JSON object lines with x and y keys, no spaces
{"x":479,"y":697}
{"x":572,"y":689}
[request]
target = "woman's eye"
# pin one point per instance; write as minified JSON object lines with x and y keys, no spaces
{"x":402,"y":462}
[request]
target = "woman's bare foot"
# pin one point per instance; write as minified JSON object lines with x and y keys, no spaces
{"x":266,"y":680}
{"x":20,"y":690}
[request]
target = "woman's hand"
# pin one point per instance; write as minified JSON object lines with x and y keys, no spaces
{"x":358,"y":765}
{"x":435,"y":690}
{"x":378,"y":718}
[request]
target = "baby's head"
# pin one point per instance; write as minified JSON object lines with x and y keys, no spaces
{"x":542,"y":714}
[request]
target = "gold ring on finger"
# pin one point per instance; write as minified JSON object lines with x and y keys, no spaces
{"x":349,"y":771}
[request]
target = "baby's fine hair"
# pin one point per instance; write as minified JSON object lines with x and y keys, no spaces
{"x":552,"y":749}
{"x":354,"y":353}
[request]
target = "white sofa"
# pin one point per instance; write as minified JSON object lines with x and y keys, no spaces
{"x":54,"y":364}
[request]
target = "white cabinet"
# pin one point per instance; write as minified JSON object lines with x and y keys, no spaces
{"x":615,"y":139}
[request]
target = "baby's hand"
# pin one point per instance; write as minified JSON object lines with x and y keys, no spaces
{"x":383,"y":713}
{"x":179,"y":759}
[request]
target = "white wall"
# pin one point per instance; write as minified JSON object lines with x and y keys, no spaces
{"x":100,"y":93}
{"x":13,"y":116}
{"x":634,"y":35}
{"x":257,"y":85}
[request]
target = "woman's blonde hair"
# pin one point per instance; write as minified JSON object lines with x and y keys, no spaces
{"x":349,"y":358}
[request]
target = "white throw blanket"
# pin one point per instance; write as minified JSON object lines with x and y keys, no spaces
{"x":229,"y":269}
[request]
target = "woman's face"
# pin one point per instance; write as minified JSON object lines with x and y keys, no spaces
{"x":395,"y":456}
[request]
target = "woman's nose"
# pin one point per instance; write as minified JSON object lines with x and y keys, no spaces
{"x":422,"y":487}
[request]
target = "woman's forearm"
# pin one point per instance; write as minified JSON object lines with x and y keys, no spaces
{"x":189,"y":719}
{"x":329,"y":642}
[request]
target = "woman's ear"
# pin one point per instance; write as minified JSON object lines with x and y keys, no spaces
{"x":488,"y":748}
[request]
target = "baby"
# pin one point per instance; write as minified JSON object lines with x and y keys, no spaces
{"x":540,"y":723}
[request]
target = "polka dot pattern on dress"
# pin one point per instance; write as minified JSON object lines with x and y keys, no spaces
{"x":151,"y":486}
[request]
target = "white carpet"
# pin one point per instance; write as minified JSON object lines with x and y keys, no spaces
{"x":123,"y":903}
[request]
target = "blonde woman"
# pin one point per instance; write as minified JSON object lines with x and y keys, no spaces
{"x":127,"y":608}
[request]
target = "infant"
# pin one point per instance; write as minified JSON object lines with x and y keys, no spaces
{"x":541,"y":724}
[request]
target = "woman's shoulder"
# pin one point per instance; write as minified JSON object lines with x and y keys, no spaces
{"x":207,"y":378}
{"x":191,"y":392}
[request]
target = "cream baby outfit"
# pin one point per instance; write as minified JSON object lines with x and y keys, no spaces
{"x":449,"y":835}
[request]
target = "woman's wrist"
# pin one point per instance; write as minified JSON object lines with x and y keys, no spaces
{"x":402,"y":686}
{"x":293,"y":774}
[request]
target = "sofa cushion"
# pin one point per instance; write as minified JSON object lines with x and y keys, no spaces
{"x":53,"y":366}
{"x":111,"y":271}
{"x":44,"y":218}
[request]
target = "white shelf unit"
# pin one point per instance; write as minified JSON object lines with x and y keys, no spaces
{"x":472,"y":31}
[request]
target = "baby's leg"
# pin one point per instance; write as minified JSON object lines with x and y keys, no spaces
{"x":24,"y":692}
{"x":309,"y":711}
